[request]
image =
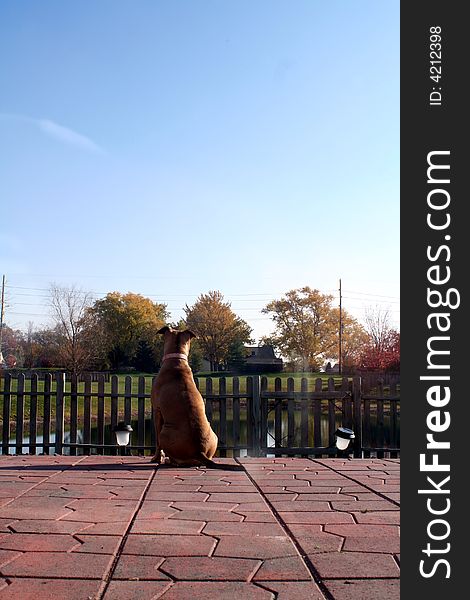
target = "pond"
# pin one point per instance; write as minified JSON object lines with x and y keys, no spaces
{"x":109,"y":436}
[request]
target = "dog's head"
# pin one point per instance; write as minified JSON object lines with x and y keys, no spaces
{"x":176,"y":341}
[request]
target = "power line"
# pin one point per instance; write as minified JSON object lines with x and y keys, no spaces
{"x":368,"y":294}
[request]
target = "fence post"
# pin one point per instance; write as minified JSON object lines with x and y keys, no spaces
{"x":73,"y":413}
{"x":263,"y":423}
{"x":59,"y":412}
{"x":256,"y":415}
{"x":357,"y":418}
{"x":6,"y":413}
{"x":33,"y":410}
{"x":20,"y":394}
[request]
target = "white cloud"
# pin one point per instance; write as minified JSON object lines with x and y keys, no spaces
{"x":68,"y":136}
{"x":58,"y":132}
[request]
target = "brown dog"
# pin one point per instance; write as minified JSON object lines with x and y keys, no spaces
{"x":182,"y":430}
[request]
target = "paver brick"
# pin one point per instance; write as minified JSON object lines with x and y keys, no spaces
{"x":232,"y":489}
{"x":58,"y":564}
{"x":282,"y":496}
{"x":378,"y":517}
{"x":366,"y":531}
{"x":252,"y":507}
{"x":371,"y":589}
{"x":174,"y":526}
{"x":206,"y":515}
{"x":169,"y":545}
{"x":139,"y":567}
{"x":304,"y":590}
{"x":90,"y":491}
{"x":229,"y":497}
{"x":320,"y":481}
{"x":210,"y":568}
{"x":214,"y":590}
{"x":48,"y":526}
{"x":131,"y":483}
{"x":98,"y":544}
{"x":301,"y":506}
{"x":372,"y":544}
{"x":175,"y":495}
{"x":177,"y":486}
{"x":37,"y":542}
{"x":364,"y":505}
{"x":72,"y":479}
{"x":49,"y":589}
{"x":155,"y":509}
{"x":13,"y":489}
{"x":290,"y":568}
{"x":7,"y":556}
{"x":257,"y":517}
{"x":4,"y":525}
{"x":262,"y":547}
{"x":324,"y":489}
{"x":320,"y":542}
{"x":27,"y":507}
{"x":313,"y":518}
{"x":357,"y":565}
{"x":113,"y":528}
{"x":213,"y":506}
{"x":135,"y":590}
{"x":248,"y":529}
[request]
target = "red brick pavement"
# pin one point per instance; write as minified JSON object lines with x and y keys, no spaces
{"x":112,"y":528}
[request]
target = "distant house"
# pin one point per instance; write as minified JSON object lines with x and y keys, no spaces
{"x":258,"y":359}
{"x":261,"y":359}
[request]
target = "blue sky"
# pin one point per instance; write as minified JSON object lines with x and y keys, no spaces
{"x":173,"y":147}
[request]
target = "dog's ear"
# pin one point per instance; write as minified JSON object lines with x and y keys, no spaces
{"x":163,"y":330}
{"x":191,"y":334}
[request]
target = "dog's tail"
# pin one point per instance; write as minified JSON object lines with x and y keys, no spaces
{"x":210,"y":464}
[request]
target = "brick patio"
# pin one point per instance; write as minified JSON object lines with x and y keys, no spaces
{"x":87,"y":528}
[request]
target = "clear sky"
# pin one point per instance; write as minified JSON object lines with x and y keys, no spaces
{"x":172,"y":147}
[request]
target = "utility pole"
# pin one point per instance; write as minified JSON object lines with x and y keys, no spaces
{"x":1,"y":318}
{"x":340,"y":363}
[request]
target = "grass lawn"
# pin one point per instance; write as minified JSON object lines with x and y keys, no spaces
{"x":138,"y":381}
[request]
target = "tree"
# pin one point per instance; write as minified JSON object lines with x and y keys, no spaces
{"x":354,"y":339}
{"x":126,"y":320}
{"x":46,"y":344}
{"x":236,"y":356}
{"x":196,"y":354}
{"x":31,"y":349}
{"x":12,"y":343}
{"x":217,"y":327}
{"x":307,"y":328}
{"x":382,"y":349}
{"x":144,"y":359}
{"x":73,"y":327}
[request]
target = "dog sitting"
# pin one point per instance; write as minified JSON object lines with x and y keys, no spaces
{"x":183,"y":433}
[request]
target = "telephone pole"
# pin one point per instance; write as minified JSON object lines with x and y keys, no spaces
{"x":340,"y":362}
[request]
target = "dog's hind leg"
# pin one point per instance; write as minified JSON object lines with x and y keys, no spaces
{"x":158,"y":423}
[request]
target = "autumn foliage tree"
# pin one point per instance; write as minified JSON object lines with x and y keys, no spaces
{"x":217,"y":328}
{"x":307,"y":326}
{"x":382,"y":348}
{"x":129,"y":324}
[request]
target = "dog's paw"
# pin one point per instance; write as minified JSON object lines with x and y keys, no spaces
{"x":156,"y":458}
{"x":159,"y":458}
